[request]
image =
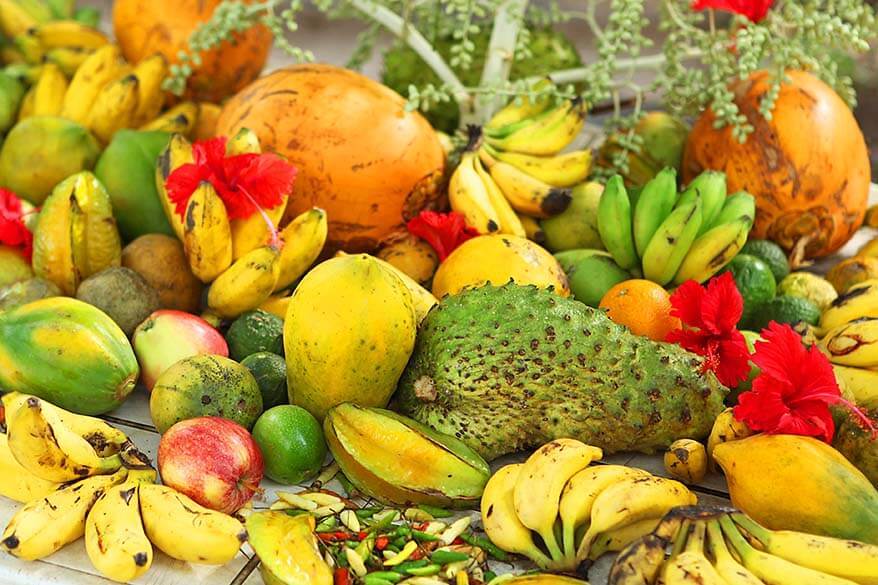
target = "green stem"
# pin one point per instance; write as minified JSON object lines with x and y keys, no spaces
{"x":579,"y":74}
{"x":500,"y":55}
{"x":756,"y":530}
{"x":420,"y":45}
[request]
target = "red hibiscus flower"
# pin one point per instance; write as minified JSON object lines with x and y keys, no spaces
{"x":710,"y":316}
{"x":13,"y":231}
{"x":794,"y":389}
{"x":443,"y":231}
{"x":246,"y":183}
{"x":755,"y":10}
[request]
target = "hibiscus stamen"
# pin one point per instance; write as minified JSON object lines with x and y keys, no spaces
{"x":274,"y":239}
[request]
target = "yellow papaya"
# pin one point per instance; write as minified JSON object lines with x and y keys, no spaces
{"x":349,"y":331}
{"x":67,"y":352}
{"x":791,"y":482}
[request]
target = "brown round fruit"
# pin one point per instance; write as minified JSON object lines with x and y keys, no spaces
{"x":160,"y":260}
{"x":145,"y":27}
{"x":361,"y":156}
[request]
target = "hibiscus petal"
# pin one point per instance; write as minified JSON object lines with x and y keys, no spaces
{"x":779,"y":346}
{"x":762,"y":407}
{"x":686,"y":302}
{"x":264,"y":180}
{"x":443,"y":231}
{"x":812,"y":419}
{"x":755,"y":10}
{"x":693,"y":340}
{"x":722,"y":306}
{"x":181,"y":183}
{"x":734,"y":360}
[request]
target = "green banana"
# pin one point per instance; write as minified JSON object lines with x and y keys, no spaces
{"x":653,"y":206}
{"x":671,"y":242}
{"x":713,"y":250}
{"x":614,"y":223}
{"x":710,"y":187}
{"x":740,"y":205}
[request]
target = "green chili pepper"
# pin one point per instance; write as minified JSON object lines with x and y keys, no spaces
{"x":399,"y":542}
{"x":436,"y":512}
{"x":295,"y":512}
{"x":370,"y":579}
{"x":486,"y":545}
{"x":404,"y":567}
{"x":327,"y":524}
{"x":490,"y":576}
{"x":366,"y":513}
{"x":425,"y":571}
{"x":402,"y":531}
{"x":444,"y":557}
{"x":424,"y":536}
{"x":386,"y":576}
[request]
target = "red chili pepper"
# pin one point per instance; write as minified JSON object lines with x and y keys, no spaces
{"x":422,"y":526}
{"x":457,"y":540}
{"x":362,"y":536}
{"x":341,"y":576}
{"x":417,"y":555}
{"x":381,"y":542}
{"x":335,"y":536}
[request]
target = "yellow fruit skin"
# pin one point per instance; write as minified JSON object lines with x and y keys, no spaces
{"x":207,"y":236}
{"x":686,"y":460}
{"x":349,"y":331}
{"x":287,"y":548}
{"x":791,"y":482}
{"x":178,"y":153}
{"x":276,"y":305}
{"x":247,"y":283}
{"x":16,"y":482}
{"x":497,"y":259}
{"x":413,"y":256}
{"x":303,"y":240}
{"x":249,"y":233}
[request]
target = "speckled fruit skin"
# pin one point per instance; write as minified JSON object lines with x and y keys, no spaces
{"x":212,"y":460}
{"x":168,"y":336}
{"x":510,"y":368}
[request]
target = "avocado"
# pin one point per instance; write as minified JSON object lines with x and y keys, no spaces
{"x":509,"y":368}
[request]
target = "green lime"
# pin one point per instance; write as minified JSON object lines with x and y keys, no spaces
{"x":270,"y":371}
{"x":785,"y":309}
{"x":771,"y":254}
{"x":292,"y":443}
{"x":253,"y":332}
{"x":754,"y":280}
{"x":808,"y":286}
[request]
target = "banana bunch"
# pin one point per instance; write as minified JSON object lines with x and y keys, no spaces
{"x":599,"y":508}
{"x":849,"y":331}
{"x":244,"y":260}
{"x":675,"y":237}
{"x":79,"y":476}
{"x":722,"y":546}
{"x":513,"y":170}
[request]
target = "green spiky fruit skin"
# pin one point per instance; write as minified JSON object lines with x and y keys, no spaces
{"x":509,"y":368}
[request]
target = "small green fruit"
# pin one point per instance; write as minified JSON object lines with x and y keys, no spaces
{"x":292,"y":443}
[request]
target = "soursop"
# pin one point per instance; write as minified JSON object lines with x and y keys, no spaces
{"x":509,"y":368}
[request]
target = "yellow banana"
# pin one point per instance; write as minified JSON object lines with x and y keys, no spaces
{"x":713,"y":250}
{"x":616,"y":540}
{"x":500,"y":521}
{"x":690,"y":567}
{"x":521,"y":108}
{"x":176,"y":154}
{"x":725,"y":428}
{"x":49,"y":91}
{"x":180,"y":119}
{"x":579,"y":495}
{"x":632,"y":500}
{"x":543,"y":476}
{"x":641,"y":561}
{"x":16,"y":482}
{"x":848,"y":559}
{"x":100,"y":68}
{"x":207,"y":237}
{"x":115,"y":540}
{"x":29,"y":47}
{"x":861,"y":300}
{"x":26,"y":109}
{"x":44,"y":526}
{"x":546,"y":134}
{"x":105,"y":439}
{"x":184,"y":530}
{"x":860,"y":383}
{"x":15,"y":20}
{"x":244,"y":141}
{"x":772,"y":569}
{"x":525,"y":193}
{"x":276,"y":304}
{"x":43,"y":445}
{"x":150,"y":73}
{"x":303,"y":240}
{"x":69,"y":59}
{"x":70,"y":33}
{"x":509,"y":222}
{"x":562,"y":170}
{"x":532,"y":228}
{"x":246,"y":283}
{"x":733,"y":572}
{"x":469,"y":196}
{"x":853,"y":344}
{"x":114,"y":108}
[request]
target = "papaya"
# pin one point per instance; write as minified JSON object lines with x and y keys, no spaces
{"x":349,"y":331}
{"x":791,"y":482}
{"x":67,"y":352}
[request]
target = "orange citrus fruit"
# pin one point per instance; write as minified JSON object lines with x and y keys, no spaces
{"x":641,"y":305}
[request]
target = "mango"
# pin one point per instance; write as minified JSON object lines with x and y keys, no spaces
{"x":400,"y":461}
{"x":67,"y":352}
{"x":41,"y":151}
{"x":287,"y":549}
{"x":576,"y":226}
{"x":349,"y":331}
{"x":792,"y":482}
{"x":591,"y":274}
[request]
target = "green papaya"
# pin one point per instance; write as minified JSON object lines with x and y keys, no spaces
{"x":509,"y":368}
{"x":41,"y":151}
{"x":67,"y":352}
{"x":127,"y":170}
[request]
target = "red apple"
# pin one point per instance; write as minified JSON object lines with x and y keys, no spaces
{"x":167,"y":336}
{"x":212,"y":460}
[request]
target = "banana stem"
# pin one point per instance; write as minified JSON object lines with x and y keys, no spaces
{"x":552,"y":546}
{"x":716,"y":542}
{"x":735,"y":538}
{"x":754,"y":529}
{"x":680,"y":539}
